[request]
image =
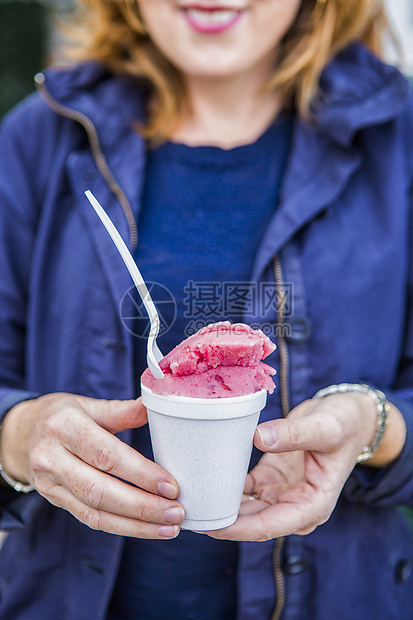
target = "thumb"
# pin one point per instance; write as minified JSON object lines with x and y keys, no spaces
{"x":318,"y":433}
{"x":115,"y":415}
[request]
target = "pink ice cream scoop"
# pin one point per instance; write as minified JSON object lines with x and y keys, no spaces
{"x":220,"y":361}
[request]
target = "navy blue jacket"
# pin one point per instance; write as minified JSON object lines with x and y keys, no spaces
{"x":342,"y":232}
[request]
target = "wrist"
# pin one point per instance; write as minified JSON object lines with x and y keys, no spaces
{"x":382,"y":444}
{"x":12,"y":441}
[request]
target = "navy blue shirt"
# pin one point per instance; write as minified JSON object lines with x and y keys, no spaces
{"x":204,"y":212}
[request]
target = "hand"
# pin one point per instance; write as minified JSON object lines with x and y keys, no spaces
{"x":64,"y":445}
{"x":311,"y":453}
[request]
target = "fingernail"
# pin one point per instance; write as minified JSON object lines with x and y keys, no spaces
{"x":268,"y":434}
{"x":166,"y":489}
{"x":174,"y":515}
{"x":168,"y":531}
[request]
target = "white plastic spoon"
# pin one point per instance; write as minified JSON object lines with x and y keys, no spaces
{"x":153,"y":353}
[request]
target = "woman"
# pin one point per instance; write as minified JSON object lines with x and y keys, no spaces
{"x":255,"y":142}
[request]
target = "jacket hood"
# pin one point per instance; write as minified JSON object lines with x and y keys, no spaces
{"x":356,"y":90}
{"x":89,"y":88}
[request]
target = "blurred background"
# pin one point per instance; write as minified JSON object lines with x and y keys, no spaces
{"x":27,"y":41}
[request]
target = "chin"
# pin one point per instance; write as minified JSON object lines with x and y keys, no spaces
{"x":213,"y":68}
{"x":211,"y":74}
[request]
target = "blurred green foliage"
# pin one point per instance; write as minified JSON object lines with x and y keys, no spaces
{"x":23,"y":48}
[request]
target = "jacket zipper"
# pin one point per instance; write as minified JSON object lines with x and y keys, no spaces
{"x":97,"y":154}
{"x":279,"y":577}
{"x":282,"y":343}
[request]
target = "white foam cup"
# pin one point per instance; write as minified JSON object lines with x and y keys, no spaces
{"x":206,"y":444}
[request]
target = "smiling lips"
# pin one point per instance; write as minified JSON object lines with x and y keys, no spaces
{"x":211,"y":19}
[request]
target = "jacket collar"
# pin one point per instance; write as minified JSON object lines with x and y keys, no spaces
{"x":357,"y":90}
{"x":88,"y":91}
{"x":91,"y":89}
{"x":113,"y":106}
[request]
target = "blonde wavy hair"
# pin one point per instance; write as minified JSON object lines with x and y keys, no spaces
{"x":112,"y":32}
